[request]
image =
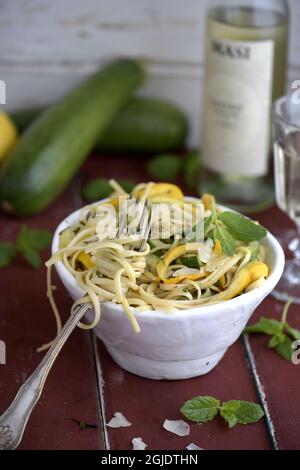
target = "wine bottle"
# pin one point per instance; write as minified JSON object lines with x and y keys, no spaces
{"x":245,"y":68}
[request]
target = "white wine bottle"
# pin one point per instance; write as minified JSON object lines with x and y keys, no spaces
{"x":245,"y":68}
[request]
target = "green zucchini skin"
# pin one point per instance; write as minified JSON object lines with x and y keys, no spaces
{"x":22,"y":119}
{"x":53,"y":148}
{"x":146,"y":125}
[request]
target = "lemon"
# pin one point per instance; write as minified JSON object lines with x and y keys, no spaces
{"x":8,"y":135}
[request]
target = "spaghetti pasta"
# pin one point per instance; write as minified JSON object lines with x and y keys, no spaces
{"x":169,"y":274}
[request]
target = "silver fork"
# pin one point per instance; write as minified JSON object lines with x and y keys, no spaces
{"x":14,"y":420}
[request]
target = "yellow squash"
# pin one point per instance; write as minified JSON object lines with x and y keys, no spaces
{"x":8,"y":135}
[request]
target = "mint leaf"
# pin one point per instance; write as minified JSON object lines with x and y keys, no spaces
{"x":192,"y":169}
{"x":276,"y":340}
{"x":96,"y":189}
{"x":292,"y":331}
{"x":201,"y":409}
{"x":225,"y":238}
{"x":268,"y":326}
{"x":207,"y":224}
{"x":285,"y":349}
{"x":7,"y":252}
{"x":30,"y":242}
{"x":32,"y":256}
{"x":242,"y":228}
{"x":241,"y":412}
{"x":35,"y":239}
{"x":165,"y":167}
{"x":190,"y":261}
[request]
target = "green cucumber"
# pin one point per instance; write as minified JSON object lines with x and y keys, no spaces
{"x":144,"y":125}
{"x":59,"y":140}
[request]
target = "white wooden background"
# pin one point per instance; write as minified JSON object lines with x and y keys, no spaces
{"x":46,"y":46}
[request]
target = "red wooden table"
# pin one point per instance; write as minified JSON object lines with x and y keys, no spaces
{"x":87,"y":385}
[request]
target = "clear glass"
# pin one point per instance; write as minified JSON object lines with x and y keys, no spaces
{"x":286,"y":133}
{"x":243,"y":20}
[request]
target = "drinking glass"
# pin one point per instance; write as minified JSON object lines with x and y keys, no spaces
{"x":286,"y":132}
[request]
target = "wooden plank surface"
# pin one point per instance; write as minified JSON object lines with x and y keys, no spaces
{"x":279,"y":380}
{"x":87,"y":385}
{"x":26,"y":322}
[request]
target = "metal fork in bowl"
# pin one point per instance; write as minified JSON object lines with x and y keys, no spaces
{"x":14,"y":420}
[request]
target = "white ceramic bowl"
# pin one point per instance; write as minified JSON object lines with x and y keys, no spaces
{"x":182,"y":344}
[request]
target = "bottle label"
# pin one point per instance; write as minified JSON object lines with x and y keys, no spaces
{"x":237,"y":102}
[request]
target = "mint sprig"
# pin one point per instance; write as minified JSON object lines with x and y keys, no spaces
{"x":204,"y":408}
{"x":282,"y":334}
{"x":28,"y":243}
{"x":241,"y":227}
{"x":230,"y":227}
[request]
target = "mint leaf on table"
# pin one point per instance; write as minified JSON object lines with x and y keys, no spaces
{"x":204,"y":408}
{"x":276,"y":340}
{"x":7,"y":253}
{"x":295,"y":334}
{"x":98,"y":188}
{"x":192,"y":169}
{"x":165,"y":167}
{"x":30,"y":242}
{"x":241,"y":227}
{"x":268,"y":326}
{"x":285,"y":348}
{"x":201,"y":409}
{"x":225,"y":238}
{"x":241,"y":412}
{"x":282,"y":334}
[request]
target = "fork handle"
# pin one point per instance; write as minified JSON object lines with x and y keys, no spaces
{"x":13,"y":421}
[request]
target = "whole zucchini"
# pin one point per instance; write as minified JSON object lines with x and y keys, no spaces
{"x":55,"y":145}
{"x":144,"y":125}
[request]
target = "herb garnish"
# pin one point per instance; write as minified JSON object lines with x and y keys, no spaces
{"x":28,"y":243}
{"x":282,"y":334}
{"x":204,"y":408}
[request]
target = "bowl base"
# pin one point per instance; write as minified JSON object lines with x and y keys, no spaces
{"x":164,"y":370}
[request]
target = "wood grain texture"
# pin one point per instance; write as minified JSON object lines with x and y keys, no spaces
{"x":87,"y":385}
{"x":47,"y":47}
{"x":26,"y":322}
{"x":279,"y":379}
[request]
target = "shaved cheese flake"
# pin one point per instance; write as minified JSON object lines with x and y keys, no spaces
{"x":205,"y":251}
{"x":180,"y":427}
{"x":138,"y":444}
{"x":118,"y":421}
{"x":185,"y":272}
{"x":193,"y":446}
